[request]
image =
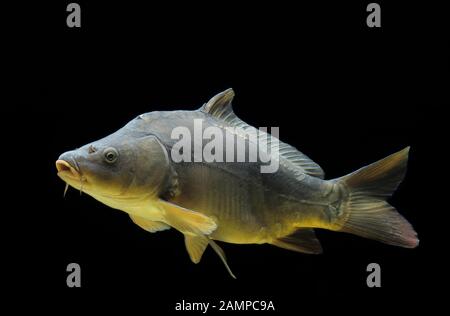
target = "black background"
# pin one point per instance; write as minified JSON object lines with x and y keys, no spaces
{"x":342,"y":93}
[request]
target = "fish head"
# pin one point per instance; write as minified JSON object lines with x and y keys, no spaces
{"x":117,"y":166}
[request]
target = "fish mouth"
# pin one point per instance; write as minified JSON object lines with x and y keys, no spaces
{"x":64,"y":168}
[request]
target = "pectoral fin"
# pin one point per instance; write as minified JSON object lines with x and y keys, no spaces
{"x":187,"y":221}
{"x":150,"y":226}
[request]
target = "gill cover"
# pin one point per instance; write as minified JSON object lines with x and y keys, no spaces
{"x":153,"y":167}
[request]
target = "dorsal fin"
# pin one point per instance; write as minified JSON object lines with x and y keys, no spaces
{"x":220,"y":104}
{"x":220,"y":108}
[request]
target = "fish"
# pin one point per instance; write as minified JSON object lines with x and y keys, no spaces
{"x":135,"y":170}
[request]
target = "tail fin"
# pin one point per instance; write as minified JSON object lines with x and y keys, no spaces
{"x":365,"y":211}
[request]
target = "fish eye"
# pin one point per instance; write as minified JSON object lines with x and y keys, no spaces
{"x":111,"y":155}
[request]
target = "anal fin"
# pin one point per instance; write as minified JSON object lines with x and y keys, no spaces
{"x":302,"y":240}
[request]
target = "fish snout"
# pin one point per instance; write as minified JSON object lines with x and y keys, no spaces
{"x":66,"y":165}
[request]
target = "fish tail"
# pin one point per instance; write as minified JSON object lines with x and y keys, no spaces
{"x":364,"y":210}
